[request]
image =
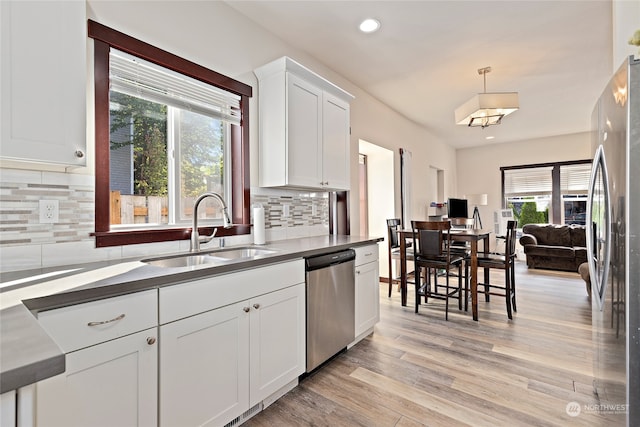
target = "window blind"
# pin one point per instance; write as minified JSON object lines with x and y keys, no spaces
{"x":574,"y":179}
{"x":526,"y":182}
{"x":136,"y":77}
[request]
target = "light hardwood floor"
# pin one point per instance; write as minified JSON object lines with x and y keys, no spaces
{"x":418,"y":369}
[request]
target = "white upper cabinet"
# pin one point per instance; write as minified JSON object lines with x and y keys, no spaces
{"x":43,"y":81}
{"x":304,"y":128}
{"x":335,"y":142}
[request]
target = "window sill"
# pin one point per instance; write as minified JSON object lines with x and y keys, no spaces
{"x":131,"y":237}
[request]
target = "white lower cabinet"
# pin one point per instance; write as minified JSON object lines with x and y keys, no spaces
{"x":367,"y":307}
{"x":109,"y":384}
{"x":111,"y":375}
{"x":224,"y":345}
{"x":277,"y":341}
{"x":203,"y":374}
{"x":8,"y":408}
{"x":216,"y":365}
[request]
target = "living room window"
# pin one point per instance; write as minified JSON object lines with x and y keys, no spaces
{"x":574,"y":187}
{"x":167,"y":130}
{"x":528,"y":191}
{"x":547,"y":193}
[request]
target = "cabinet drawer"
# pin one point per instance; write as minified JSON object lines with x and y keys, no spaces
{"x":365,"y":254}
{"x":87,"y":324}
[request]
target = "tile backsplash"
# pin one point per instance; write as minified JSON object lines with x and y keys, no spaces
{"x":25,"y":243}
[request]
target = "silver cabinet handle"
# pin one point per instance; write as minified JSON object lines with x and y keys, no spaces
{"x":246,"y":309}
{"x":79,"y":154}
{"x":151,"y":340}
{"x":369,"y":254}
{"x":256,"y":306}
{"x":104,"y":322}
{"x":357,"y":271}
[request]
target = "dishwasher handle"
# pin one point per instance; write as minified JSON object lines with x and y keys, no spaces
{"x":327,"y":260}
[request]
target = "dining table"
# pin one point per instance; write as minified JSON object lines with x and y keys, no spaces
{"x":473,"y":236}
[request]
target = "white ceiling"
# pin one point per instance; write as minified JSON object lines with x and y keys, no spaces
{"x":423,"y":61}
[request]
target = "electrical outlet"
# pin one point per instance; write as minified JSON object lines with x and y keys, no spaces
{"x":49,"y":211}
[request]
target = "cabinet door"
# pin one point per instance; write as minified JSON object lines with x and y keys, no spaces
{"x":8,"y":409}
{"x":110,"y":384}
{"x":204,"y":359}
{"x":367,"y":308}
{"x":335,"y":140}
{"x":43,"y":81}
{"x":277,"y":340}
{"x":304,"y":133}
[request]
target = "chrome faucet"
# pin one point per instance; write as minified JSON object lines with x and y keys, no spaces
{"x":196,"y":239}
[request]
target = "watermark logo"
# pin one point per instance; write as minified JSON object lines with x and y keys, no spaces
{"x":608,"y":408}
{"x":573,"y":409}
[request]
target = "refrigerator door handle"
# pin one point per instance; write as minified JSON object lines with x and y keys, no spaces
{"x":598,"y":230}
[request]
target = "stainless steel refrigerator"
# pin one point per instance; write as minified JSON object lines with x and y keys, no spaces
{"x":613,"y":241}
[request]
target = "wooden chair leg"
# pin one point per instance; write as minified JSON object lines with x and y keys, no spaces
{"x":390,"y":277}
{"x":507,"y":285}
{"x":513,"y":285}
{"x":417,"y":286}
{"x":466,"y":286}
{"x":446,"y":300}
{"x":460,"y":286}
{"x":486,"y":289}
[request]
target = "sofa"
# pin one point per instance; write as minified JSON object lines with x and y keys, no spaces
{"x":554,"y":247}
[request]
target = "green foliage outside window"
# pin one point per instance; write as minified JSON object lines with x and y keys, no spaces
{"x":529,"y":214}
{"x":148,"y":123}
{"x":201,"y":154}
{"x":201,"y":146}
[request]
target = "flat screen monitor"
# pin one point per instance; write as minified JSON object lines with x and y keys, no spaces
{"x":457,"y":208}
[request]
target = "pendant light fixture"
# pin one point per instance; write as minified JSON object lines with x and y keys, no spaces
{"x":487,"y":108}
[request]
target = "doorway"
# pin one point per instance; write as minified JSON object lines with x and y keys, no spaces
{"x":364,"y":189}
{"x":377,"y":194}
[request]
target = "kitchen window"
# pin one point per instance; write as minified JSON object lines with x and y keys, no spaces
{"x":167,"y":130}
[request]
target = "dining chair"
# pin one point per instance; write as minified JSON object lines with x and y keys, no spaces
{"x":432,"y":252}
{"x":394,"y":225}
{"x":506,"y":262}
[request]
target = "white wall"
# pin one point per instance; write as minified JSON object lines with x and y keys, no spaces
{"x":479,"y":167}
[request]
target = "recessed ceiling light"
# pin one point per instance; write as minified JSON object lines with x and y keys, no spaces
{"x":369,"y":25}
{"x":489,"y":137}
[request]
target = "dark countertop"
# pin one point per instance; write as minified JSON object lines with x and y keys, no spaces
{"x":28,"y":354}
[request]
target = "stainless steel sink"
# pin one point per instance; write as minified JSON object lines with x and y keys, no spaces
{"x":210,"y":259}
{"x":184,"y":261}
{"x":241,"y":253}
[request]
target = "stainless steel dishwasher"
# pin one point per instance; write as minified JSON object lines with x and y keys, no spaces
{"x":330,"y":305}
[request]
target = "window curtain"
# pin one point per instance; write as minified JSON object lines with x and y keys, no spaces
{"x":142,"y":79}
